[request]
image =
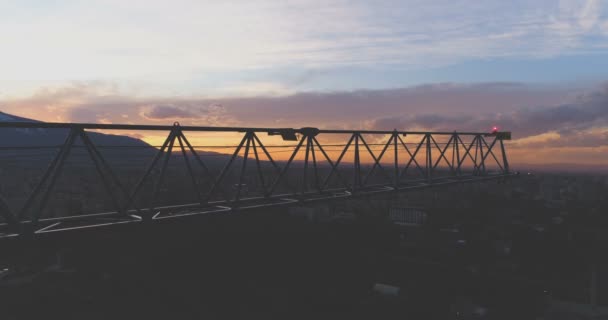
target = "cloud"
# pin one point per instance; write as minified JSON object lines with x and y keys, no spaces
{"x":164,"y":112}
{"x":589,"y":110}
{"x":165,"y":39}
{"x":589,"y":138}
{"x":577,"y":123}
{"x":195,"y":112}
{"x":431,"y":106}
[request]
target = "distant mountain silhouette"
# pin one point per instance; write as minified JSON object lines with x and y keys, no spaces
{"x":42,"y":137}
{"x":28,"y":137}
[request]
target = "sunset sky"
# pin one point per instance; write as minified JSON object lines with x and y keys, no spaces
{"x":538,"y":68}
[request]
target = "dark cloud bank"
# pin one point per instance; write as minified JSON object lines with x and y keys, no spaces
{"x":570,"y":120}
{"x":525,"y":110}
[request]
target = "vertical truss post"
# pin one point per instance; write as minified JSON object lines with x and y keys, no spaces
{"x":396,"y":159}
{"x":304,"y":185}
{"x":357,"y":165}
{"x":476,"y":165}
{"x":314,"y":164}
{"x":163,"y":171}
{"x":504,"y":157}
{"x":195,"y":185}
{"x":248,"y":136}
{"x":309,"y":134}
{"x":258,"y":165}
{"x":456,"y":153}
{"x":482,"y":165}
{"x":429,"y":160}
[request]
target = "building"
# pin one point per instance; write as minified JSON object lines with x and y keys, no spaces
{"x":407,"y":216}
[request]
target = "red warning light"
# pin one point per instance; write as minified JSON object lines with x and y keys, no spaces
{"x":494,"y":129}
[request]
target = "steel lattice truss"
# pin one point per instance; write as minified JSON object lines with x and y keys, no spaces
{"x":400,"y":161}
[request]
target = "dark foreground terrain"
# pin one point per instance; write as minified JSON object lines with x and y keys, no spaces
{"x":528,"y":248}
{"x":249,"y":266}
